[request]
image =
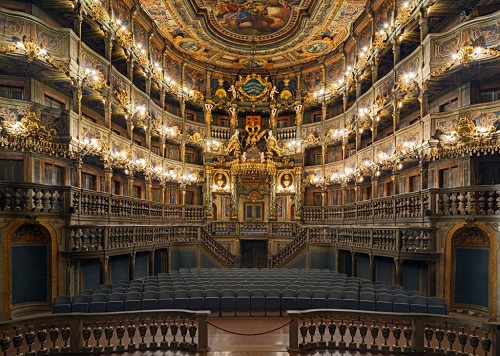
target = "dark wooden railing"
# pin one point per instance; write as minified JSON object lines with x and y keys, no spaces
{"x":471,"y":201}
{"x":225,"y":256}
{"x":106,"y":333}
{"x":30,"y":197}
{"x":390,"y":333}
{"x":267,"y":229}
{"x":383,"y":239}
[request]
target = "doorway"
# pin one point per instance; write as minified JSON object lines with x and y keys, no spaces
{"x":254,"y":253}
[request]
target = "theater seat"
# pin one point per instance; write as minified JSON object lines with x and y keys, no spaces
{"x":62,"y":304}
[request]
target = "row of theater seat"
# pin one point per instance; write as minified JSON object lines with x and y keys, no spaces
{"x":234,"y":290}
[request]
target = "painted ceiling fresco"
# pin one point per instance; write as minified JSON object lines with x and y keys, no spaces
{"x":254,"y":33}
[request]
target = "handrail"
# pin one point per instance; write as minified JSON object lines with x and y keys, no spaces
{"x":100,"y":333}
{"x":291,"y":249}
{"x":478,"y":200}
{"x":358,"y":330}
{"x":395,"y":239}
{"x":33,"y":197}
{"x":272,"y":228}
{"x":217,"y":249}
{"x":107,"y":237}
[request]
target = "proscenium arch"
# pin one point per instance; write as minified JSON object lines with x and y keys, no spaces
{"x":492,"y":273}
{"x":10,"y":231}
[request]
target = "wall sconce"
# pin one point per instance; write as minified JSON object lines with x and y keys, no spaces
{"x":293,"y":146}
{"x":213,"y":145}
{"x":167,"y":132}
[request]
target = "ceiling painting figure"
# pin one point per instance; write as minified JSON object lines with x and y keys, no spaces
{"x":253,"y":18}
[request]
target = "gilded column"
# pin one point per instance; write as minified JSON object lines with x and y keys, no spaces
{"x":208,"y":193}
{"x":234,"y":198}
{"x":209,"y":105}
{"x":272,"y":197}
{"x":299,"y":110}
{"x":108,"y":178}
{"x":298,"y":193}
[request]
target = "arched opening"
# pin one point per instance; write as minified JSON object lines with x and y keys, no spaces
{"x":29,"y":266}
{"x":471,"y":271}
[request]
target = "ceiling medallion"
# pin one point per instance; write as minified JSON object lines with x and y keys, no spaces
{"x":252,"y":63}
{"x":188,"y":45}
{"x":317,"y":47}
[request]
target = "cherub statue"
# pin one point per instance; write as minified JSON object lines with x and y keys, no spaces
{"x":273,"y":92}
{"x":234,"y":94}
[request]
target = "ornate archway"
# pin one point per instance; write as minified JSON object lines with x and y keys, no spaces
{"x":29,"y":265}
{"x":470,"y":257}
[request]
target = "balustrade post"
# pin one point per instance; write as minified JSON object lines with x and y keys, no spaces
{"x":495,"y":337}
{"x":198,"y":234}
{"x":432,"y":202}
{"x":202,"y":330}
{"x":76,"y":342}
{"x":293,"y":331}
{"x":105,"y":238}
{"x":398,"y":240}
{"x":418,"y":336}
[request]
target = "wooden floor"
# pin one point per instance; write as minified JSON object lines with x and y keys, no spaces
{"x":227,"y":344}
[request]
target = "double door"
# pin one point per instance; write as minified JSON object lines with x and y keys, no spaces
{"x":254,"y":253}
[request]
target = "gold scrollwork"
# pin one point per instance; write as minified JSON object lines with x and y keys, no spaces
{"x":258,"y":92}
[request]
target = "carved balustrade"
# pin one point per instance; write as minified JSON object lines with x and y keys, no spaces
{"x":387,"y":239}
{"x":272,"y":229}
{"x":221,"y":133}
{"x":102,"y":333}
{"x":33,"y":198}
{"x":393,"y":333}
{"x":220,"y":251}
{"x":286,"y":134}
{"x":291,"y":249}
{"x":88,"y":238}
{"x":476,"y":201}
{"x":39,"y":198}
{"x":461,"y":201}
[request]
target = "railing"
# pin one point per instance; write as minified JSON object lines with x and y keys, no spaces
{"x":216,"y":248}
{"x":407,"y":239}
{"x":94,"y":238}
{"x":221,"y":133}
{"x":286,"y":133}
{"x":278,"y":229}
{"x":291,"y":249}
{"x":480,"y":200}
{"x":392,"y":333}
{"x":106,"y":333}
{"x":31,"y":197}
